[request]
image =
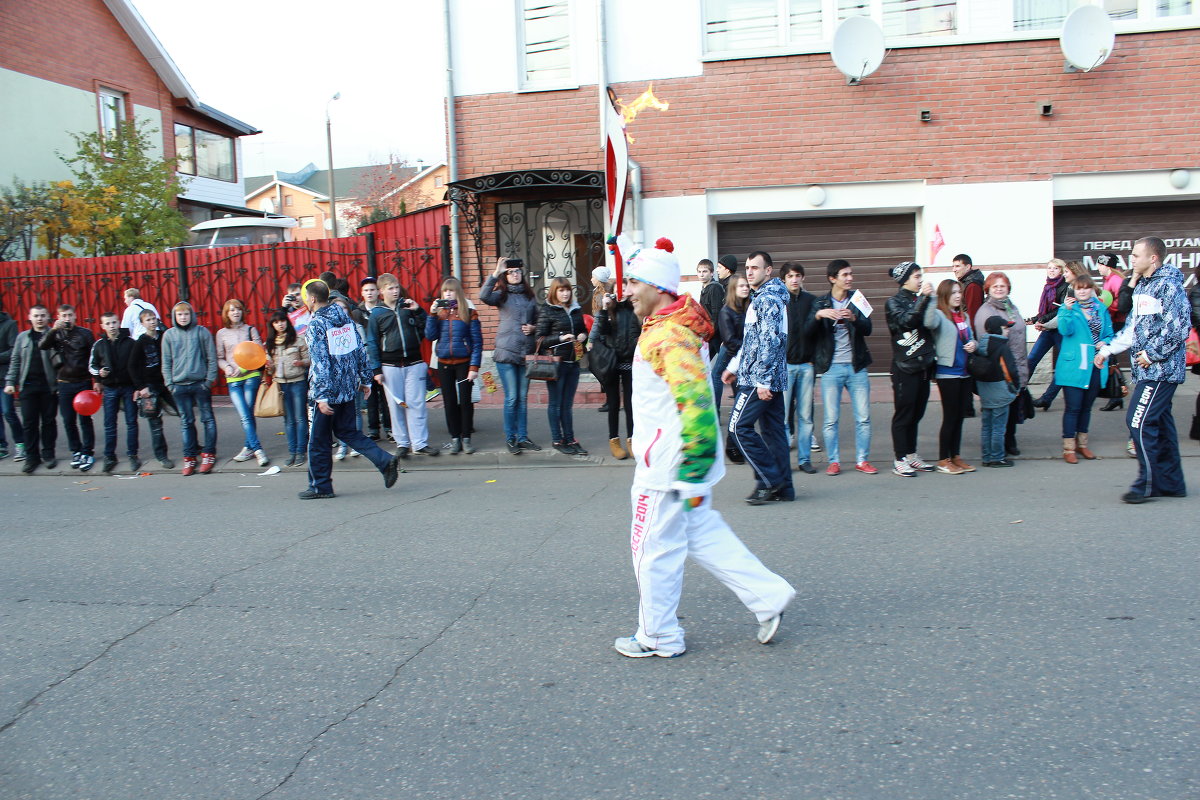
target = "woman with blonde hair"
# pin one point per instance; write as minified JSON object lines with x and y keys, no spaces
{"x":453,"y":326}
{"x":561,"y":332}
{"x":243,"y":384}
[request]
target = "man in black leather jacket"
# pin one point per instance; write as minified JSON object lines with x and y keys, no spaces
{"x":913,"y":357}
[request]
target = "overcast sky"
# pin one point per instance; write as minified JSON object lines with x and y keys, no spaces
{"x":274,"y":65}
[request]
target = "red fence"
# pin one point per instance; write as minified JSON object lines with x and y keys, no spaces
{"x":410,"y":247}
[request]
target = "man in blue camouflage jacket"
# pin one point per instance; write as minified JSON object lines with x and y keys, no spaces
{"x":1155,"y":334}
{"x":760,"y":371}
{"x":340,"y":370}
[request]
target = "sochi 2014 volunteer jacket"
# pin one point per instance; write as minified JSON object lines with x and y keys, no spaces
{"x":676,"y":440}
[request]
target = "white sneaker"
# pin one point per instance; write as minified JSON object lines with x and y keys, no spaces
{"x":902,"y":469}
{"x":355,"y":454}
{"x":245,"y":455}
{"x":630,"y":646}
{"x":341,"y":453}
{"x":914,"y":461}
{"x":767,"y":630}
{"x":261,"y":455}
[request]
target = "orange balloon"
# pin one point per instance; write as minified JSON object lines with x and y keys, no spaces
{"x":249,"y":355}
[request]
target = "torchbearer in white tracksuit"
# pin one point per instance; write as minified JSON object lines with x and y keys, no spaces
{"x":677,"y":447}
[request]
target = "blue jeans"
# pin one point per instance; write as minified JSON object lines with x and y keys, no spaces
{"x":295,"y":415}
{"x":516,"y":397}
{"x":765,"y":449}
{"x":798,"y":402}
{"x":1046,"y":341}
{"x":719,"y":363}
{"x":243,"y":394}
{"x":562,"y":402}
{"x":1077,"y":417}
{"x":81,"y":434}
{"x":117,"y":398}
{"x":843,"y":376}
{"x":8,"y":413}
{"x":991,"y":437}
{"x":187,"y":397}
{"x":320,"y":444}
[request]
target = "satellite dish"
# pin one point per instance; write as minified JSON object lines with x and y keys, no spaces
{"x":1087,"y":38}
{"x":857,"y":48}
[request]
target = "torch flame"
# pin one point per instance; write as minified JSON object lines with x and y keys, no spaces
{"x":646,"y":100}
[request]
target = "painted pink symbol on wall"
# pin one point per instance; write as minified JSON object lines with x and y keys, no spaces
{"x":936,"y":244}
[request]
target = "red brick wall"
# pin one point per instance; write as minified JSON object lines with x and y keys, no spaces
{"x":793,"y":120}
{"x":79,"y":43}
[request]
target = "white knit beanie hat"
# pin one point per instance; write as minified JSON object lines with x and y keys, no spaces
{"x":656,"y":266}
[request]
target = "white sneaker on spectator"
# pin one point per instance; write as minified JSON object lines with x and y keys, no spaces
{"x":245,"y":455}
{"x":902,"y":469}
{"x":341,"y":453}
{"x":914,"y":461}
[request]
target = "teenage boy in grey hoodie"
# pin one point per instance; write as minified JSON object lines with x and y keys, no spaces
{"x":189,"y":367}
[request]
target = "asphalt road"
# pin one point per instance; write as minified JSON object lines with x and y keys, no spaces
{"x":1006,"y":634}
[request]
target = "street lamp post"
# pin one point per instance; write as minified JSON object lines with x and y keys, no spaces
{"x":333,"y":222}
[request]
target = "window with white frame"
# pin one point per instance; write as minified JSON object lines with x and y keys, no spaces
{"x":901,"y":19}
{"x":112,"y":110}
{"x":545,"y":28}
{"x":734,"y":25}
{"x":307,"y":222}
{"x":1032,"y":15}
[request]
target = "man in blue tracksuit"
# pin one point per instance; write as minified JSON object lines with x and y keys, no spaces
{"x":1155,"y":336}
{"x":340,"y":370}
{"x":760,"y":369}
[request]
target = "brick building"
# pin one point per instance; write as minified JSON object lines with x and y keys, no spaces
{"x":78,"y":66}
{"x":765,"y":144}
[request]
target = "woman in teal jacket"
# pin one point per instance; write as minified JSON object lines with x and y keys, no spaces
{"x":1084,"y":324}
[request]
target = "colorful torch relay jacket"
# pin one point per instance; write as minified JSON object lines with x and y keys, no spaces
{"x":676,"y":437}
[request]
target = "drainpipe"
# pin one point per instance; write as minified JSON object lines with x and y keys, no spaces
{"x":635,"y":202}
{"x":602,"y":73}
{"x":452,"y":144}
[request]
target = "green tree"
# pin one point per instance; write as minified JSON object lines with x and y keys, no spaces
{"x":119,"y":178}
{"x":37,"y":220}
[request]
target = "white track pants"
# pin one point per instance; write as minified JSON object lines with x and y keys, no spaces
{"x":404,"y":389}
{"x":663,"y":535}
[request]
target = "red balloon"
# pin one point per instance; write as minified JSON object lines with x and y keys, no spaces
{"x":87,"y":402}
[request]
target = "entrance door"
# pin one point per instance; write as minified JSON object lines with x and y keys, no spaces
{"x":872,"y":245}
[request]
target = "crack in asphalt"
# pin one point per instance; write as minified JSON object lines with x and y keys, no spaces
{"x":315,"y":740}
{"x":195,"y":602}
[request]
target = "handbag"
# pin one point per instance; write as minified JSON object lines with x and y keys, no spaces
{"x":978,"y":366}
{"x":602,"y":360}
{"x":148,"y":406}
{"x":539,"y":367}
{"x":1191,"y":355}
{"x":1114,"y":388}
{"x":269,"y":402}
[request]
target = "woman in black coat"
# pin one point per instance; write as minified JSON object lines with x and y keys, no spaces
{"x":619,"y":328}
{"x":559,"y":329}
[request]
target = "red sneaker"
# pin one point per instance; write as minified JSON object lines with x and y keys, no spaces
{"x":866,"y":468}
{"x":207,"y":462}
{"x":834,"y":468}
{"x":189,"y":466}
